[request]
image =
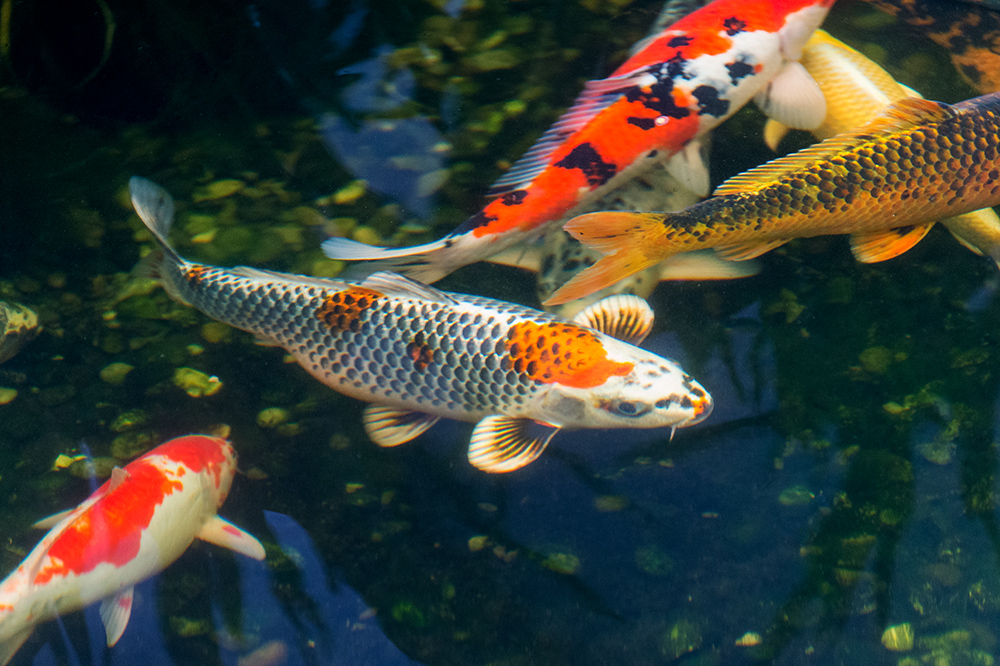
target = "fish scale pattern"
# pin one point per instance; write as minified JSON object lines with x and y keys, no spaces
{"x":930,"y":169}
{"x":462,"y":359}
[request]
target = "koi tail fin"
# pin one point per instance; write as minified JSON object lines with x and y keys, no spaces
{"x":427,"y":263}
{"x":631,"y":242}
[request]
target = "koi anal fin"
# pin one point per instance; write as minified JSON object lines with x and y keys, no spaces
{"x":628,"y":241}
{"x":115,"y":612}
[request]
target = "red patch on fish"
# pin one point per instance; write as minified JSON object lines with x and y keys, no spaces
{"x":560,"y":353}
{"x":342,"y":310}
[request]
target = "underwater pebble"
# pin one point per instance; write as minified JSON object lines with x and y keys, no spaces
{"x":610,"y":503}
{"x":128,"y":420}
{"x":749,"y":639}
{"x":220,"y":189}
{"x":196,"y":383}
{"x":876,"y":360}
{"x":63,"y":461}
{"x":350,"y":193}
{"x":215,"y":332}
{"x":898,"y":638}
{"x":272,"y":417}
{"x":795,"y":496}
{"x":89,"y":468}
{"x":115,"y":373}
{"x":477,"y":543}
{"x":132,"y":445}
{"x":366,"y":235}
{"x":563,"y":563}
{"x":7,"y":395}
{"x":685,"y":636}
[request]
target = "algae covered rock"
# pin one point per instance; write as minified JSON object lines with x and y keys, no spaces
{"x":18,"y":325}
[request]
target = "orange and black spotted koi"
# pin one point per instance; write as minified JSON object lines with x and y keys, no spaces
{"x":419,"y":354}
{"x":918,"y":162}
{"x":677,"y":87}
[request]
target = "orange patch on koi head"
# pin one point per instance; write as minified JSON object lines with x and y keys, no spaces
{"x":561,"y":353}
{"x":341,"y":310}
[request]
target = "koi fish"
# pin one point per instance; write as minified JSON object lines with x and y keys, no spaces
{"x":856,"y":90}
{"x":419,"y":354}
{"x":655,"y":107}
{"x":18,"y":325}
{"x":918,"y":162}
{"x":131,"y":528}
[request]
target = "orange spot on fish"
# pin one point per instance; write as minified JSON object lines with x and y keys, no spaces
{"x":420,"y":352}
{"x":561,"y":353}
{"x":342,"y":310}
{"x":195,"y":274}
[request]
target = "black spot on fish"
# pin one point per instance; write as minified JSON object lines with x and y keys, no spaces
{"x":738,"y":70}
{"x":514,"y":198}
{"x":734,"y":25}
{"x":709,"y":101}
{"x":585,"y":158}
{"x":480,"y":219}
{"x":679,"y":40}
{"x":658,"y":97}
{"x":642,"y":123}
{"x":674,"y":68}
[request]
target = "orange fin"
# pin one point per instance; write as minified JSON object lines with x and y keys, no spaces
{"x":623,"y":316}
{"x":745,"y":251}
{"x":505,"y":443}
{"x":871,"y":248}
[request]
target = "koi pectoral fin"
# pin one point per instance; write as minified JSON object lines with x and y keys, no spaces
{"x":793,"y":98}
{"x":223,"y":533}
{"x":503,"y":443}
{"x":115,"y":612}
{"x":880,"y":246}
{"x":388,"y":426}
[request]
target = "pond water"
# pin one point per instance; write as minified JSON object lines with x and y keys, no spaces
{"x":842,"y":495}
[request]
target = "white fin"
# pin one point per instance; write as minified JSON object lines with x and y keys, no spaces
{"x":9,"y":647}
{"x":424,"y":262}
{"x":223,"y":533}
{"x":870,"y":248}
{"x":745,"y":251}
{"x":395,"y":284}
{"x":115,"y":612}
{"x":596,"y":96}
{"x":793,"y":98}
{"x":623,"y":316}
{"x":526,"y":256}
{"x":705,"y":265}
{"x":388,"y":426}
{"x":505,"y":443}
{"x":155,"y":207}
{"x":689,"y":167}
{"x":51,"y":521}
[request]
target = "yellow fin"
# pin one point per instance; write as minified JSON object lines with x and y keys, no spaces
{"x":390,"y":426}
{"x":745,"y":251}
{"x":505,"y":443}
{"x":870,"y":248}
{"x":901,"y":115}
{"x":629,"y":240}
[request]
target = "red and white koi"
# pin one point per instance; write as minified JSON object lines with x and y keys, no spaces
{"x":131,"y":528}
{"x":419,"y":354}
{"x":675,"y":89}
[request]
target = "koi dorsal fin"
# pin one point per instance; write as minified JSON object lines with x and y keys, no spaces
{"x":395,"y":284}
{"x":902,"y":115}
{"x":596,"y":96}
{"x":623,"y":316}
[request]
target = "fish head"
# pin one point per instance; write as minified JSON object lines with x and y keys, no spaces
{"x":802,"y":17}
{"x":213,"y":459}
{"x":643,"y":391}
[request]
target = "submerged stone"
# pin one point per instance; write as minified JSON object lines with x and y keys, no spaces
{"x":196,"y":383}
{"x":115,"y":373}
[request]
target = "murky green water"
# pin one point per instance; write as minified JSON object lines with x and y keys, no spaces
{"x":844,"y":486}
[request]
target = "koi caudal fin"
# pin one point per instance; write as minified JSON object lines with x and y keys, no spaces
{"x":628,"y":241}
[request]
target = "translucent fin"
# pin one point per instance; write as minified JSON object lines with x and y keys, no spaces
{"x":705,"y":265}
{"x":526,"y":256}
{"x":504,"y":443}
{"x":388,"y":426}
{"x":596,"y":96}
{"x":774,"y":132}
{"x":118,"y":477}
{"x":115,"y":612}
{"x":9,"y":647}
{"x":745,"y":251}
{"x":623,"y":316}
{"x":395,"y":284}
{"x":689,"y":167}
{"x":421,"y":262}
{"x":155,"y":207}
{"x":793,"y":98}
{"x":223,"y":533}
{"x":871,"y":248}
{"x":51,"y":521}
